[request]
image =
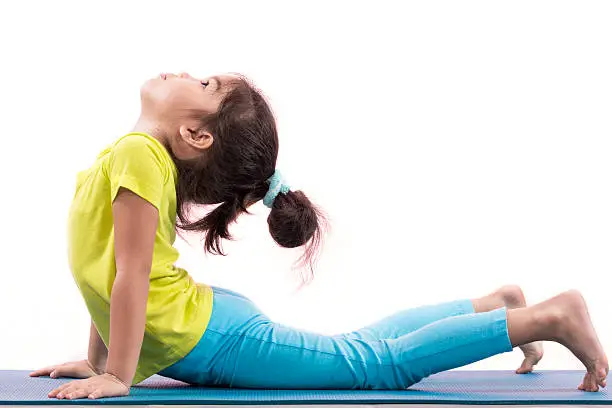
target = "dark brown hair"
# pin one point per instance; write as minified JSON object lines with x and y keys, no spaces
{"x":233,"y":173}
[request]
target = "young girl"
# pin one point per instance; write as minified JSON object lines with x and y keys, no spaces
{"x":214,"y":141}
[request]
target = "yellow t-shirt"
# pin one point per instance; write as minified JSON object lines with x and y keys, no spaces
{"x":178,"y":309}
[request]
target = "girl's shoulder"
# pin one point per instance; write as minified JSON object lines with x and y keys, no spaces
{"x":142,"y":150}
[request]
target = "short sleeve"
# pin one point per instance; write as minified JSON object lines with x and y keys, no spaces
{"x":135,"y":163}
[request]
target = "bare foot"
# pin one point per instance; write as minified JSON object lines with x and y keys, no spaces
{"x":575,"y":331}
{"x":512,"y":296}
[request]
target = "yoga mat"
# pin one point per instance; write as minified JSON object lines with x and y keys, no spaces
{"x":452,"y":387}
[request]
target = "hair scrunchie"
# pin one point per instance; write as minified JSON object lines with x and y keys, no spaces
{"x":277,"y":185}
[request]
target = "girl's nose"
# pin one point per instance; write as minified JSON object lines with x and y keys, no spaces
{"x":184,"y":75}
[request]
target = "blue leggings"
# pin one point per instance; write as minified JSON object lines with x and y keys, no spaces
{"x":243,"y":348}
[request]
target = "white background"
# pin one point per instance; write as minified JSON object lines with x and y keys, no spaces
{"x":455,"y":146}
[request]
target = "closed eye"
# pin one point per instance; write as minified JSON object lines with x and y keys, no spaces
{"x":205,"y":83}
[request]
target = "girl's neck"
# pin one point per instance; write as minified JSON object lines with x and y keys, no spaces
{"x":152,"y":128}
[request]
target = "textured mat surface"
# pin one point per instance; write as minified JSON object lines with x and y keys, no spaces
{"x":454,"y":387}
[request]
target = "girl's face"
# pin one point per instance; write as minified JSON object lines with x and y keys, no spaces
{"x":175,"y":104}
{"x":171,"y":98}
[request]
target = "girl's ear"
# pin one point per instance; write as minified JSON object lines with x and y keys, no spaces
{"x":200,"y":139}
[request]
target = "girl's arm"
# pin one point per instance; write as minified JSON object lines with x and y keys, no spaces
{"x":97,"y":353}
{"x":135,"y":222}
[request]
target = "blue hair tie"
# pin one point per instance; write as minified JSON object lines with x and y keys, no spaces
{"x":276,"y":186}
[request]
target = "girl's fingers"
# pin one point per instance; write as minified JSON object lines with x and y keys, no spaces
{"x":92,"y":388}
{"x":66,"y":389}
{"x":58,"y":390}
{"x":95,"y":395}
{"x":80,"y":392}
{"x":64,"y":386}
{"x":42,"y":371}
{"x":58,"y":372}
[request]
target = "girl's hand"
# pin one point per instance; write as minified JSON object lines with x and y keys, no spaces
{"x":99,"y":386}
{"x":74,"y":369}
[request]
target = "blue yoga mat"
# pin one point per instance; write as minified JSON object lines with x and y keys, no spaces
{"x":453,"y":387}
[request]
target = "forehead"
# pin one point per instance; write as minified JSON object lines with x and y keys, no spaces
{"x":224,"y":82}
{"x":227,"y":79}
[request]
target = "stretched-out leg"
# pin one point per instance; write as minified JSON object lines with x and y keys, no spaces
{"x":271,"y":355}
{"x":263,"y":354}
{"x":407,"y":321}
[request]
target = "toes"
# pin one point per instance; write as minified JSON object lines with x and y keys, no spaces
{"x":589,"y":383}
{"x":525,"y":368}
{"x":588,"y":388}
{"x":601,"y":377}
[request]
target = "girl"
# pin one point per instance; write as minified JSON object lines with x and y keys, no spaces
{"x":214,"y":141}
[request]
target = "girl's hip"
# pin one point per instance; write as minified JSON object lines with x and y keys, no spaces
{"x":232,"y":315}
